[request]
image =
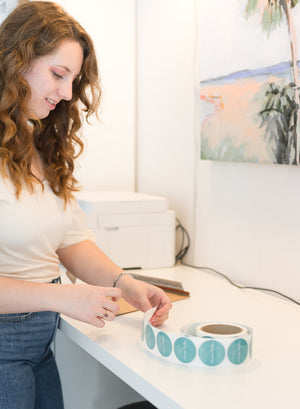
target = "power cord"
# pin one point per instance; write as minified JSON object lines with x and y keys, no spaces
{"x":242,"y":287}
{"x":185,"y":237}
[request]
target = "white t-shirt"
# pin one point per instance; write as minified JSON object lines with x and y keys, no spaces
{"x":33,"y":228}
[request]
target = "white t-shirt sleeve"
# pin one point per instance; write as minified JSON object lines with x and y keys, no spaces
{"x":78,"y":230}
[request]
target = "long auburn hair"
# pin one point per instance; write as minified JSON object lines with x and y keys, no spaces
{"x":33,"y":30}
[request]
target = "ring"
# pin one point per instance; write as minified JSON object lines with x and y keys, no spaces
{"x":103,"y":316}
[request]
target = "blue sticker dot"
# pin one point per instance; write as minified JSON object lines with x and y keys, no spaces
{"x":212,"y":353}
{"x":237,"y":351}
{"x":185,"y":350}
{"x":150,"y":337}
{"x":164,"y":344}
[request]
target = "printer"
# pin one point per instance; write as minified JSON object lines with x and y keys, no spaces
{"x":133,"y":229}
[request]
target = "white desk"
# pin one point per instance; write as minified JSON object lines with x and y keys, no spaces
{"x":270,"y":380}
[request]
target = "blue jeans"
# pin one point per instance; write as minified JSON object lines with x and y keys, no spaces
{"x":29,"y":377}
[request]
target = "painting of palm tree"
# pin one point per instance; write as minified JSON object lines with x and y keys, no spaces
{"x":253,"y":114}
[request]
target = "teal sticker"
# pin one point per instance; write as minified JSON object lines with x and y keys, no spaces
{"x":150,"y":337}
{"x":237,"y":351}
{"x":185,"y":350}
{"x":164,"y":344}
{"x":212,"y":353}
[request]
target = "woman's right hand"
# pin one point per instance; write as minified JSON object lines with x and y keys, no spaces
{"x":89,"y":303}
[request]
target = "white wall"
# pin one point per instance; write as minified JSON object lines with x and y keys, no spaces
{"x":109,"y":159}
{"x":165,"y":103}
{"x":248,"y":223}
{"x":245,"y":217}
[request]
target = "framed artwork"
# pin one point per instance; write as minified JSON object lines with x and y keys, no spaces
{"x":249,"y":80}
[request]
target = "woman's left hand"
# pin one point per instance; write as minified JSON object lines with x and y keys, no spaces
{"x":144,"y":296}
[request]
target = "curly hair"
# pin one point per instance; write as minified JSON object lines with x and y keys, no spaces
{"x":33,"y":30}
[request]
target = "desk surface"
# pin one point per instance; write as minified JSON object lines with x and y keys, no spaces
{"x":270,"y":380}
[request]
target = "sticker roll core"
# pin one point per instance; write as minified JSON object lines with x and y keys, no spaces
{"x":206,"y":344}
{"x":216,"y":330}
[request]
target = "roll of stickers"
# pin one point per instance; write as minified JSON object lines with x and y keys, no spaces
{"x":211,"y":344}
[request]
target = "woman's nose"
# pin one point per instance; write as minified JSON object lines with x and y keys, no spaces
{"x":66,"y":90}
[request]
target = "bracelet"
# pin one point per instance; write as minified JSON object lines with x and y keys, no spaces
{"x":119,"y":276}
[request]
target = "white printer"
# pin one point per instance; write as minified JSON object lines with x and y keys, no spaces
{"x":135,"y":230}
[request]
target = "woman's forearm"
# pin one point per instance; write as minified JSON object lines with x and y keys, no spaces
{"x":25,"y":296}
{"x":88,"y":263}
{"x":87,"y":303}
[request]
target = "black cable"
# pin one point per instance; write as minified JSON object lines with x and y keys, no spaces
{"x":242,"y":287}
{"x":184,"y":235}
{"x":183,"y":250}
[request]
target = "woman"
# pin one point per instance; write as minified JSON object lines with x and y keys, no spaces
{"x":47,"y":69}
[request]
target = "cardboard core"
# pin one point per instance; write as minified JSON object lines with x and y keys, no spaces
{"x":221,"y":329}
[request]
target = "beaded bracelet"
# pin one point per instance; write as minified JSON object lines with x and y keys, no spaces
{"x":119,"y":276}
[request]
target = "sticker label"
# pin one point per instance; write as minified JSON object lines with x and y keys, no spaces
{"x":204,"y":349}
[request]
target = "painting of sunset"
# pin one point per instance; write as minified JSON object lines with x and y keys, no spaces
{"x":251,"y":113}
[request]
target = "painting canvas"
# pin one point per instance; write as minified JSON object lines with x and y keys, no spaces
{"x":249,"y":80}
